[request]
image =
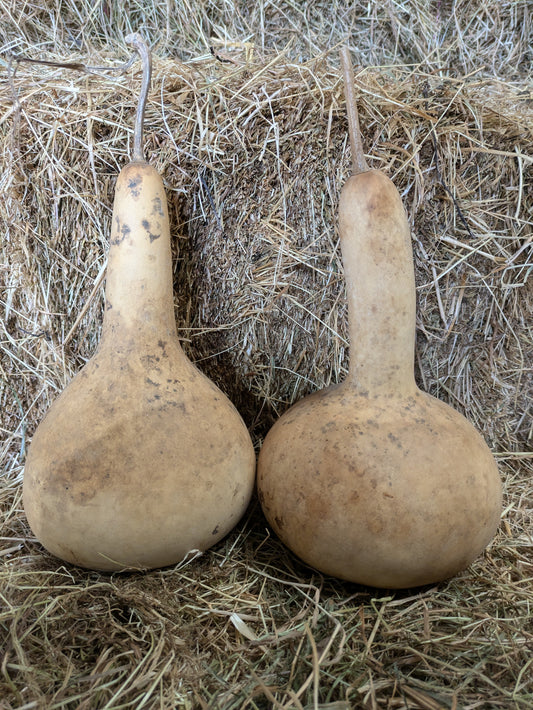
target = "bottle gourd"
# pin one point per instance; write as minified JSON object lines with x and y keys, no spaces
{"x":141,"y":459}
{"x":373,"y":480}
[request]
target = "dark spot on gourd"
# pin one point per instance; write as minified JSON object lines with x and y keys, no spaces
{"x":373,"y":203}
{"x":133,"y":185}
{"x":81,"y":497}
{"x":150,"y":360}
{"x":157,"y":207}
{"x":279,"y":522}
{"x":123,"y":232}
{"x":108,"y":305}
{"x":180,"y":405}
{"x":215,"y":531}
{"x":151,"y":382}
{"x":146,"y":224}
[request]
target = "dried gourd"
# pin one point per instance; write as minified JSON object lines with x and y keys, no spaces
{"x":373,"y":480}
{"x":141,"y":459}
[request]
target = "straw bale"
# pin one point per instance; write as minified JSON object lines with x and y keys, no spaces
{"x":254,"y":155}
{"x":246,"y":124}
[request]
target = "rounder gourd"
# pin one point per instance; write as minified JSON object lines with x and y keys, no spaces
{"x":141,"y":459}
{"x":373,"y":480}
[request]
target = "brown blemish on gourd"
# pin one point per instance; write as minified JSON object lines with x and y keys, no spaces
{"x":279,"y":522}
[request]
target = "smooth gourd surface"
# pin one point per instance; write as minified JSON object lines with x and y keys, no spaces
{"x":373,"y":480}
{"x":386,"y":492}
{"x":141,"y":459}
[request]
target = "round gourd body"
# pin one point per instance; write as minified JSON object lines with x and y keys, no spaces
{"x":137,"y":463}
{"x":384,"y":491}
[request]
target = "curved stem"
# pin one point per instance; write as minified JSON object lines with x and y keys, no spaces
{"x":359,"y":164}
{"x":142,"y":49}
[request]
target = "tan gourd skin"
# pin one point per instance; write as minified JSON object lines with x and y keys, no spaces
{"x":373,"y":480}
{"x":141,"y":459}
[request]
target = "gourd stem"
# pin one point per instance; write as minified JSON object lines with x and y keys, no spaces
{"x":142,"y":49}
{"x":359,"y":164}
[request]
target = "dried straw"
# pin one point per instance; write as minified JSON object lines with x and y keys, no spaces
{"x":247,"y":124}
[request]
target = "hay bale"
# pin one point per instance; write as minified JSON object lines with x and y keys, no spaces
{"x":254,"y":154}
{"x":265,"y":267}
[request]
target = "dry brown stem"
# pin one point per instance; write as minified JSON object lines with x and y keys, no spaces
{"x":359,"y":164}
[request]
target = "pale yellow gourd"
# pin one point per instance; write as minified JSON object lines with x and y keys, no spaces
{"x":141,"y":459}
{"x":373,"y":480}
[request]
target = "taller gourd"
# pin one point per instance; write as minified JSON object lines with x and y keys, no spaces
{"x":373,"y":480}
{"x":141,"y":459}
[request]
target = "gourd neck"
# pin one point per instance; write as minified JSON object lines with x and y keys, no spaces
{"x":139,"y":294}
{"x":378,"y":267}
